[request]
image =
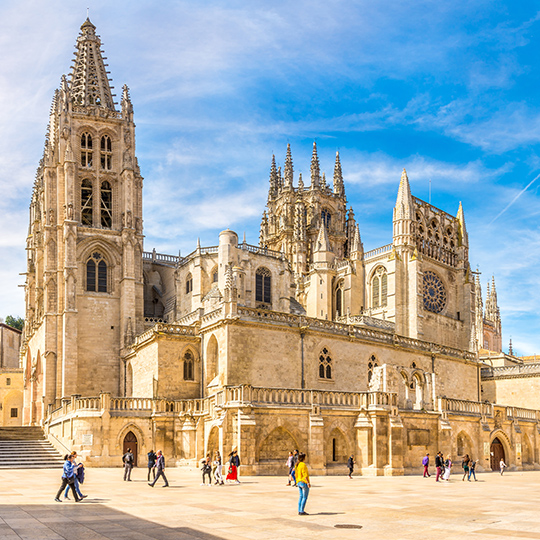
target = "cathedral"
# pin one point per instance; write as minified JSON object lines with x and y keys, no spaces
{"x":304,"y":341}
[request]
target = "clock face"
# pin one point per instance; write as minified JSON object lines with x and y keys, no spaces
{"x":434,"y":293}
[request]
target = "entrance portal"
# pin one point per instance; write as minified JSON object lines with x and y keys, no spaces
{"x":130,"y":441}
{"x":497,"y":453}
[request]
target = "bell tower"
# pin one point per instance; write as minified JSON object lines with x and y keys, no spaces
{"x":85,"y":240}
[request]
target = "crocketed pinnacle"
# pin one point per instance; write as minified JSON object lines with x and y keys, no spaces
{"x":356,"y":246}
{"x":127,"y":106}
{"x":274,"y":180}
{"x":89,"y":83}
{"x":338,"y":177}
{"x":322,"y":244}
{"x":300,"y":183}
{"x":463,"y":236}
{"x":315,"y":168}
{"x":404,"y":202}
{"x":289,"y":171}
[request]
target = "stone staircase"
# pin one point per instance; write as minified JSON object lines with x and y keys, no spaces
{"x":27,"y":448}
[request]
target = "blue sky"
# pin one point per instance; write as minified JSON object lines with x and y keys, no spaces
{"x":448,"y":90}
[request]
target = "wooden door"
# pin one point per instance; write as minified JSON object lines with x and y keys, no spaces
{"x":130,"y":441}
{"x":497,"y":453}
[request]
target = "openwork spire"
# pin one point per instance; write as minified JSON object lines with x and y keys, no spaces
{"x":315,"y":168}
{"x":289,"y":171}
{"x":89,"y":83}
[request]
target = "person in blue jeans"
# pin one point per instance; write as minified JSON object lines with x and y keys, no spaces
{"x":302,"y":481}
{"x":77,"y":488}
{"x":472,"y":467}
{"x":67,"y":479}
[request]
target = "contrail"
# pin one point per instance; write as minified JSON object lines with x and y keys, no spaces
{"x":515,"y":199}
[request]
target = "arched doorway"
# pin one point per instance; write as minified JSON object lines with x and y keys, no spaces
{"x":497,"y":453}
{"x":130,"y":441}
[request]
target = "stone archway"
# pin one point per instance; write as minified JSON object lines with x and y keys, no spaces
{"x":336,"y":449}
{"x":497,"y":453}
{"x":277,"y":445}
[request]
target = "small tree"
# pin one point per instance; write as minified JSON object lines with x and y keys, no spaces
{"x":15,"y":322}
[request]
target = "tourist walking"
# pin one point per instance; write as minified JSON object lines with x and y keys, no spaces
{"x":465,"y":466}
{"x":472,"y":467}
{"x":290,"y":468}
{"x":68,"y":479}
{"x":447,"y":468}
{"x":502,"y":466}
{"x":302,"y":481}
{"x":218,"y":477}
{"x":79,"y":477}
{"x":151,"y":463}
{"x":160,"y":467}
{"x":438,"y":465}
{"x":295,"y":462}
{"x":234,"y":463}
{"x":425,"y":463}
{"x":206,"y":469}
{"x":128,"y":460}
{"x":350,"y":465}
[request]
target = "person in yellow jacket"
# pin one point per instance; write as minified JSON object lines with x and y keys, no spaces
{"x":302,"y":481}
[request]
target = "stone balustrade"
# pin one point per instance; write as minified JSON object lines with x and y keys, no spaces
{"x":519,"y":370}
{"x":464,"y":406}
{"x":378,"y":251}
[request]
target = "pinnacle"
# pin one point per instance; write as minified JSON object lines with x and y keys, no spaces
{"x":404,"y":202}
{"x":315,"y":168}
{"x":323,"y":243}
{"x":289,"y":170}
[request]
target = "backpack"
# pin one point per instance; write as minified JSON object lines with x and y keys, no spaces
{"x":128,"y":458}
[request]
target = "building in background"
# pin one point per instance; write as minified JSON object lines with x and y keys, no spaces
{"x":11,"y":379}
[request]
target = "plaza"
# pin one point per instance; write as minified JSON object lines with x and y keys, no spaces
{"x":408,"y":507}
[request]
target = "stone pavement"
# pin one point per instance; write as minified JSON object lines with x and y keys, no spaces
{"x":407,"y":507}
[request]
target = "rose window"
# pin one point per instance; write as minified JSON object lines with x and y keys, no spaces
{"x":434,"y":293}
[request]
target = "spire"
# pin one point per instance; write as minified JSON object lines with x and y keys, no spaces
{"x":315,"y":169}
{"x":323,"y":181}
{"x":463,"y":236}
{"x":356,"y":245}
{"x":274,"y":180}
{"x":322,"y":243}
{"x":339,"y":188}
{"x":404,"y":202}
{"x":300,"y":184}
{"x":289,"y":171}
{"x":89,"y":82}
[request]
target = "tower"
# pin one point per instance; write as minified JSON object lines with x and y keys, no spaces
{"x":85,"y":240}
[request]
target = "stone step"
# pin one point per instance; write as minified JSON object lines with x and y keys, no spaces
{"x":27,"y":448}
{"x":21,"y":433}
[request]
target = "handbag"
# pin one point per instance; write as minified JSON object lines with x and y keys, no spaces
{"x":71,"y":480}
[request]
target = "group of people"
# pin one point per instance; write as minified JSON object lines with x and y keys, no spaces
{"x":443,"y":467}
{"x":214,"y":468}
{"x":72,"y":477}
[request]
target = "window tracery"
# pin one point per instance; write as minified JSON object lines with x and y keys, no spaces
{"x":379,"y":288}
{"x":96,"y":273}
{"x":189,"y":371}
{"x":106,"y":205}
{"x":86,"y":150}
{"x":325,"y":364}
{"x":106,"y":153}
{"x":326,"y":218}
{"x":434,"y":292}
{"x":372,"y":364}
{"x":263,"y":286}
{"x":87,"y":203}
{"x":189,"y":283}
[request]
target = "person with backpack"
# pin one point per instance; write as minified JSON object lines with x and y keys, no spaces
{"x":425,"y":463}
{"x":79,"y":478}
{"x":151,"y":462}
{"x":465,"y":466}
{"x":350,"y":465}
{"x":206,"y":469}
{"x":128,"y":460}
{"x":472,"y":467}
{"x":160,"y":467}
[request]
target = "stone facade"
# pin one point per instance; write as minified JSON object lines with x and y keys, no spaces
{"x":302,"y":341}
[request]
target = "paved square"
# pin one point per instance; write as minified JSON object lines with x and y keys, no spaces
{"x":408,"y":507}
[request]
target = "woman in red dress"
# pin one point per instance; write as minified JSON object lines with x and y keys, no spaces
{"x":234,"y":463}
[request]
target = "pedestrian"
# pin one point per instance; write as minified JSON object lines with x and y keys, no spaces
{"x":128,"y":460}
{"x":79,"y":470}
{"x":234,"y":463}
{"x":350,"y":465}
{"x":472,"y":467}
{"x":151,"y":462}
{"x":465,"y":465}
{"x":206,"y":469}
{"x":290,"y":467}
{"x":438,"y":465}
{"x":219,"y":467}
{"x":68,"y":479}
{"x":295,"y":462}
{"x":302,"y":481}
{"x":425,"y":463}
{"x":502,"y":466}
{"x":160,"y":467}
{"x":447,"y":468}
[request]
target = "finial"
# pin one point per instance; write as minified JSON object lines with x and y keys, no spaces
{"x":315,"y":168}
{"x":289,"y":170}
{"x":300,"y":183}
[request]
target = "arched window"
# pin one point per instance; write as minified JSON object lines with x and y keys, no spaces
{"x":214,"y":274}
{"x":87,"y":203}
{"x":189,"y":283}
{"x":263,"y":286}
{"x":106,"y":153}
{"x":106,"y":205}
{"x":86,"y":150}
{"x":189,"y":368}
{"x":96,"y":273}
{"x":372,"y":364}
{"x":326,"y":218}
{"x":325,"y":364}
{"x":339,"y":299}
{"x":379,"y":288}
